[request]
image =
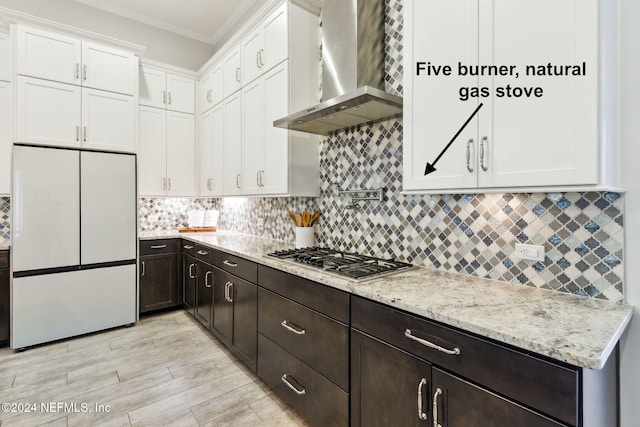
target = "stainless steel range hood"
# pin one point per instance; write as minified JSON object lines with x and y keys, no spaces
{"x":352,"y":71}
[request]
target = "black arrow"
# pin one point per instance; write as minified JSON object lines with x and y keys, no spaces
{"x":431,"y":167}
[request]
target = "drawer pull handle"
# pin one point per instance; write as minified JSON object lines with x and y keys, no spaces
{"x":229,"y":263}
{"x":158,"y":246}
{"x":291,"y":386}
{"x":293,"y":328}
{"x":421,"y":414}
{"x":188,"y":247}
{"x":435,"y":407}
{"x":203,"y":253}
{"x":454,"y":352}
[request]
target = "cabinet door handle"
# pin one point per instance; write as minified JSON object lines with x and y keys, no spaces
{"x":206,"y":279}
{"x":421,"y":414}
{"x":169,"y":93}
{"x":229,"y":263}
{"x":291,"y":386}
{"x":209,"y":184}
{"x":77,"y":71}
{"x":238,"y":74}
{"x":168,"y":184}
{"x":142,"y":268}
{"x":238,"y":181}
{"x":293,"y":328}
{"x":77,"y":133}
{"x":203,"y":252}
{"x":84,"y":134}
{"x":469,"y":143}
{"x":435,"y":407}
{"x":408,"y":334}
{"x":158,"y":246}
{"x":209,"y":96}
{"x":84,"y":72}
{"x":191,"y":275}
{"x":482,"y":141}
{"x":164,"y":97}
{"x":261,"y":58}
{"x":258,"y":59}
{"x":258,"y":178}
{"x":228,"y":288}
{"x":188,"y":247}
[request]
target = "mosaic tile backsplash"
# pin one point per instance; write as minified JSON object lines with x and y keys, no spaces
{"x":582,"y":233}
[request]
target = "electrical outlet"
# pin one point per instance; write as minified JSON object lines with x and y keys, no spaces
{"x":531,"y":252}
{"x":260,"y":222}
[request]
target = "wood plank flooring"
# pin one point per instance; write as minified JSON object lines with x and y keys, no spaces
{"x":164,"y":371}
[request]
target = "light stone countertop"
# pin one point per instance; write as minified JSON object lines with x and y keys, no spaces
{"x":577,"y":330}
{"x":5,"y":244}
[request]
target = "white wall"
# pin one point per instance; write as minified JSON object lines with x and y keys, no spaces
{"x":161,"y":45}
{"x":630,"y":134}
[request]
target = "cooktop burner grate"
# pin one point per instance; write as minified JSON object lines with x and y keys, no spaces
{"x":345,"y":264}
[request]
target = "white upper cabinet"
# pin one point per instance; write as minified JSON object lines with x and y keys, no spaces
{"x":166,"y":153}
{"x":52,"y":113}
{"x":534,"y":130}
{"x":232,"y":182}
{"x":5,"y":57}
{"x":54,"y":56}
{"x":266,"y":46}
{"x":232,"y":71}
{"x":212,"y":124}
{"x":6,"y":96}
{"x":212,"y":87}
{"x":161,"y":89}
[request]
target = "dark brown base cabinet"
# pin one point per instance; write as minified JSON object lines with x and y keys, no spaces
{"x":407,"y":370}
{"x":188,"y":277}
{"x":4,"y":298}
{"x":159,"y":275}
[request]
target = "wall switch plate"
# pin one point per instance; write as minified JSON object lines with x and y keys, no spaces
{"x":531,"y":252}
{"x":260,"y":222}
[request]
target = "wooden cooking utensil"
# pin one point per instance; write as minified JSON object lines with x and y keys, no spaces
{"x":306,"y":218}
{"x":293,"y":218}
{"x":298,"y":220}
{"x":314,"y":217}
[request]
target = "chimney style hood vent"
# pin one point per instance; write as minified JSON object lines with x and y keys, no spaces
{"x":352,"y":71}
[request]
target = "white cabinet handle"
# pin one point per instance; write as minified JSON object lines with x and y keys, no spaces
{"x":261,"y":53}
{"x":169,"y":98}
{"x":454,"y":352}
{"x":293,"y":328}
{"x":77,"y":133}
{"x":84,"y":72}
{"x":77,"y":71}
{"x":482,"y":141}
{"x":421,"y":414}
{"x":469,"y":143}
{"x":168,"y":184}
{"x":291,"y":386}
{"x":84,"y":134}
{"x":435,"y":407}
{"x":238,"y":181}
{"x":209,"y":184}
{"x":238,"y":74}
{"x":142,"y":268}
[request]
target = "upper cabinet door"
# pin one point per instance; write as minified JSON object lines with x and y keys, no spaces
{"x":152,"y":87}
{"x":553,"y":138}
{"x":433,"y":110}
{"x":211,"y":87}
{"x":108,"y":196}
{"x":6,"y":127}
{"x":181,"y":146}
{"x":181,"y":94}
{"x":274,"y":178}
{"x":253,"y":127}
{"x":233,"y":145}
{"x":100,"y":110}
{"x":48,"y":113}
{"x":232,"y":72}
{"x":45,"y":206}
{"x":48,"y":55}
{"x":152,"y":152}
{"x":108,"y":68}
{"x":276,"y":46}
{"x":5,"y":58}
{"x":211,"y":151}
{"x":251,"y":47}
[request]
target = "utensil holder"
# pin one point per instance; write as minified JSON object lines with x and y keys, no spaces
{"x":305,"y":237}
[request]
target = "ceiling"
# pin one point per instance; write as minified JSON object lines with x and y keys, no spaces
{"x":204,"y":20}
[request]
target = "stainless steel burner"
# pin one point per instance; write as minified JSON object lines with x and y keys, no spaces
{"x":344,"y":264}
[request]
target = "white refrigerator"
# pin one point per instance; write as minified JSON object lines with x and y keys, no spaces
{"x":74,"y":243}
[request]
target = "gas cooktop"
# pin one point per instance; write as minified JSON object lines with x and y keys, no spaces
{"x":344,"y":264}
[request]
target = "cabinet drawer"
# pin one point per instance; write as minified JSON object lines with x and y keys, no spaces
{"x":240,"y":267}
{"x":329,"y":301}
{"x":159,"y":246}
{"x":4,"y":259}
{"x":315,"y":339}
{"x":315,"y":398}
{"x":549,"y":387}
{"x":189,"y":248}
{"x":204,"y":254}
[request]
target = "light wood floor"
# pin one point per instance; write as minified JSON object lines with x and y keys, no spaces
{"x":164,"y":371}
